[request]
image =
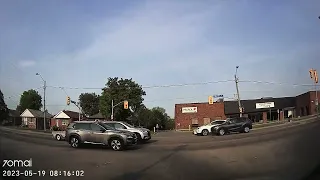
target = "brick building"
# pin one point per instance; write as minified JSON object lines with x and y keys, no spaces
{"x":63,"y":118}
{"x":258,"y":110}
{"x":196,"y":114}
{"x":305,"y":103}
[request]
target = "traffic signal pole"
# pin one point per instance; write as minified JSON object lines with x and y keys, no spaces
{"x":113,"y":106}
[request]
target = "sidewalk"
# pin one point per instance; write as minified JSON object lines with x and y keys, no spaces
{"x":269,"y":124}
{"x":25,"y":131}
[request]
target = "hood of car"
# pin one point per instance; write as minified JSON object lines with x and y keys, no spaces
{"x":139,"y":129}
{"x":123,"y":132}
{"x":143,"y":129}
{"x":208,"y":126}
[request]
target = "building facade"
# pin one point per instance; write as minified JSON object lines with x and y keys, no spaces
{"x":196,"y":114}
{"x":34,"y":119}
{"x":191,"y":115}
{"x":264,"y":109}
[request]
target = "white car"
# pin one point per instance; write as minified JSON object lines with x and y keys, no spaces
{"x":206,"y":129}
{"x":143,"y":134}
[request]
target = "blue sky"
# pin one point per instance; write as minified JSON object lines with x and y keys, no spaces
{"x":82,"y":43}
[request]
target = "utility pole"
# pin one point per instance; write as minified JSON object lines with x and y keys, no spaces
{"x":44,"y":101}
{"x":78,"y":106}
{"x":79,"y":111}
{"x":236,"y":79}
{"x":112,"y":110}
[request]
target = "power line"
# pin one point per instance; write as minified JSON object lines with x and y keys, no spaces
{"x":155,"y":86}
{"x":189,"y":84}
{"x":276,"y":83}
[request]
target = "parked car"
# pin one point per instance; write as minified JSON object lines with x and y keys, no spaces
{"x":239,"y":124}
{"x":95,"y":132}
{"x":206,"y":129}
{"x":143,"y":134}
{"x":59,"y":135}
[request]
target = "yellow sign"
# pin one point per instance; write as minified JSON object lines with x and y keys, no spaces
{"x":210,"y":100}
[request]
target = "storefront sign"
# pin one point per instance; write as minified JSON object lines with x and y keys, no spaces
{"x":264,"y":105}
{"x":189,"y":109}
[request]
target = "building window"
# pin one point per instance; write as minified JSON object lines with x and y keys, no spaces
{"x":194,"y":121}
{"x":65,"y":122}
{"x":206,"y":120}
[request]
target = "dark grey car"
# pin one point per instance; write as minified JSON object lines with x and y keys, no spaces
{"x":239,"y":124}
{"x":93,"y":132}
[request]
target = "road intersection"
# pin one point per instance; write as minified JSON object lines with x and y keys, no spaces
{"x":282,"y":152}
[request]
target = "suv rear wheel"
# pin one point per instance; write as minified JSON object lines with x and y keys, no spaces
{"x":116,"y":144}
{"x":58,"y":137}
{"x":74,"y":141}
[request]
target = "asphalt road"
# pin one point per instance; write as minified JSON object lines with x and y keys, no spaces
{"x":286,"y":152}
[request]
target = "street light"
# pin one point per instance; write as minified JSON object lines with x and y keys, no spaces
{"x":44,"y":100}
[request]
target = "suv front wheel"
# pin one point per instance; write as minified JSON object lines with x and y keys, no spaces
{"x":74,"y":142}
{"x":221,"y":132}
{"x":246,"y":129}
{"x":116,"y":144}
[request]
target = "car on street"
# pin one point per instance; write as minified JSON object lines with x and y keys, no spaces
{"x":59,"y":135}
{"x":95,"y":132}
{"x":206,"y":129}
{"x":238,"y":124}
{"x":143,"y":134}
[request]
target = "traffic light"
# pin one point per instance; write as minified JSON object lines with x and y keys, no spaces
{"x":315,"y":76}
{"x":125,"y":104}
{"x":311,"y":72}
{"x":68,"y":100}
{"x":210,"y":100}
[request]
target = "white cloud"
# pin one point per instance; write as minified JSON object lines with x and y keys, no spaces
{"x":26,"y":63}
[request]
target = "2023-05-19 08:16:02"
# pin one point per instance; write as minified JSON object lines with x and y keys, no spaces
{"x":43,"y":173}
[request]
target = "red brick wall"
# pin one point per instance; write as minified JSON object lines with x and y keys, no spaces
{"x":32,"y":123}
{"x":303,"y":101}
{"x":204,"y":110}
{"x":264,"y":117}
{"x":313,"y":98}
{"x":306,"y":100}
{"x":63,"y":127}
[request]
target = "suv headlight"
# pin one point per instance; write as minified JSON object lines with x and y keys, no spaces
{"x":129,"y":136}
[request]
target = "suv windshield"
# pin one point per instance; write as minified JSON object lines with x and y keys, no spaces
{"x":107,"y":126}
{"x":127,"y":124}
{"x":217,"y":122}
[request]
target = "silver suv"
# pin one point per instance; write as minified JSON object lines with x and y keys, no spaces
{"x":143,"y":134}
{"x":94,"y":132}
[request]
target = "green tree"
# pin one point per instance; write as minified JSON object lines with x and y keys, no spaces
{"x":4,"y":111}
{"x":30,"y":99}
{"x":119,"y":90}
{"x":160,"y":117}
{"x":157,"y":115}
{"x":89,"y":103}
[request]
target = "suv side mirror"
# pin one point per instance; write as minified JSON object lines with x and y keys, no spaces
{"x":102,"y":130}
